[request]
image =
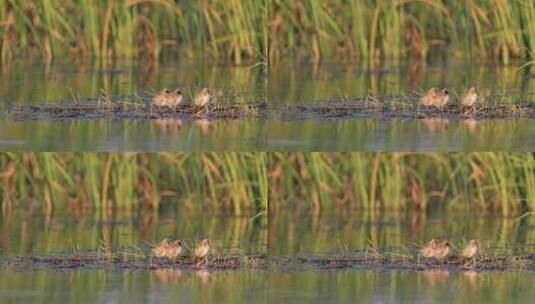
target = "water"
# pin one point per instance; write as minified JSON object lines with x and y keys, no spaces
{"x":292,"y":84}
{"x":439,"y":135}
{"x":290,"y":233}
{"x":287,"y":84}
{"x":24,"y":234}
{"x":102,"y":286}
{"x":401,"y":287}
{"x":134,"y":135}
{"x":294,"y":233}
{"x":67,"y":81}
{"x":263,"y":287}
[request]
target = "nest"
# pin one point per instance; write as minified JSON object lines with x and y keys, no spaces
{"x":402,"y":108}
{"x":134,"y":110}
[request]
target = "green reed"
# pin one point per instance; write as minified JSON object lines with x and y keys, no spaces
{"x":491,"y":29}
{"x":218,"y":182}
{"x":234,"y":30}
{"x":497,"y":182}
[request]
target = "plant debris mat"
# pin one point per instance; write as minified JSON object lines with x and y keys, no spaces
{"x":403,"y":109}
{"x":362,"y":260}
{"x":134,"y":110}
{"x":132,"y":262}
{"x":405,"y":262}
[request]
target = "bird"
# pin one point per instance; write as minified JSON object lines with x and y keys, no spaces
{"x":202,"y":249}
{"x":442,"y":98}
{"x":442,"y":250}
{"x":470,"y":98}
{"x":173,"y":250}
{"x":175,"y":98}
{"x":203,"y":98}
{"x":471,"y":249}
{"x":429,"y":98}
{"x":162,"y":99}
{"x":161,"y":249}
{"x":167,"y":249}
{"x":428,"y":249}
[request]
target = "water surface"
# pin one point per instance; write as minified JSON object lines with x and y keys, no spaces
{"x":435,"y":134}
{"x":23,"y":234}
{"x":103,"y":286}
{"x":292,"y":84}
{"x":133,"y":135}
{"x":297,"y":233}
{"x":349,"y":286}
{"x":25,"y":83}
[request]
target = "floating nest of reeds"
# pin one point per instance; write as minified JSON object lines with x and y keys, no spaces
{"x":134,"y":262}
{"x":361,"y":260}
{"x":70,"y":110}
{"x":393,"y":261}
{"x":403,"y":107}
{"x":398,"y":107}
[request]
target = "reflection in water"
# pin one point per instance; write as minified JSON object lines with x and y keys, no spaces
{"x":101,"y":286}
{"x":402,"y":135}
{"x":204,"y":125}
{"x":64,"y":80}
{"x":399,"y":287}
{"x":436,"y":277}
{"x":203,"y":275}
{"x":169,"y":125}
{"x":167,"y":275}
{"x":293,"y":233}
{"x":139,"y":135}
{"x":470,"y":125}
{"x":436,"y":125}
{"x":291,"y":83}
{"x":25,"y":234}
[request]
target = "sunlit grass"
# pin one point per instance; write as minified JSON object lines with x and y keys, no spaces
{"x":216,"y":182}
{"x":500,"y":30}
{"x":497,"y":182}
{"x":232,"y":30}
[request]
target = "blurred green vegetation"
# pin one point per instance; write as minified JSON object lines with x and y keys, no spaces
{"x":486,"y":182}
{"x":492,"y":29}
{"x":233,"y":183}
{"x":233,"y":30}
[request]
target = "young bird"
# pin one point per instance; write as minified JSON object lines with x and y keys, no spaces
{"x":470,"y":98}
{"x":160,"y":250}
{"x":442,"y":99}
{"x":162,"y":99}
{"x":202,"y":249}
{"x":442,"y":250}
{"x":175,"y":98}
{"x":203,"y":98}
{"x":174,"y":249}
{"x":471,"y":249}
{"x":428,"y":249}
{"x":429,"y":98}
